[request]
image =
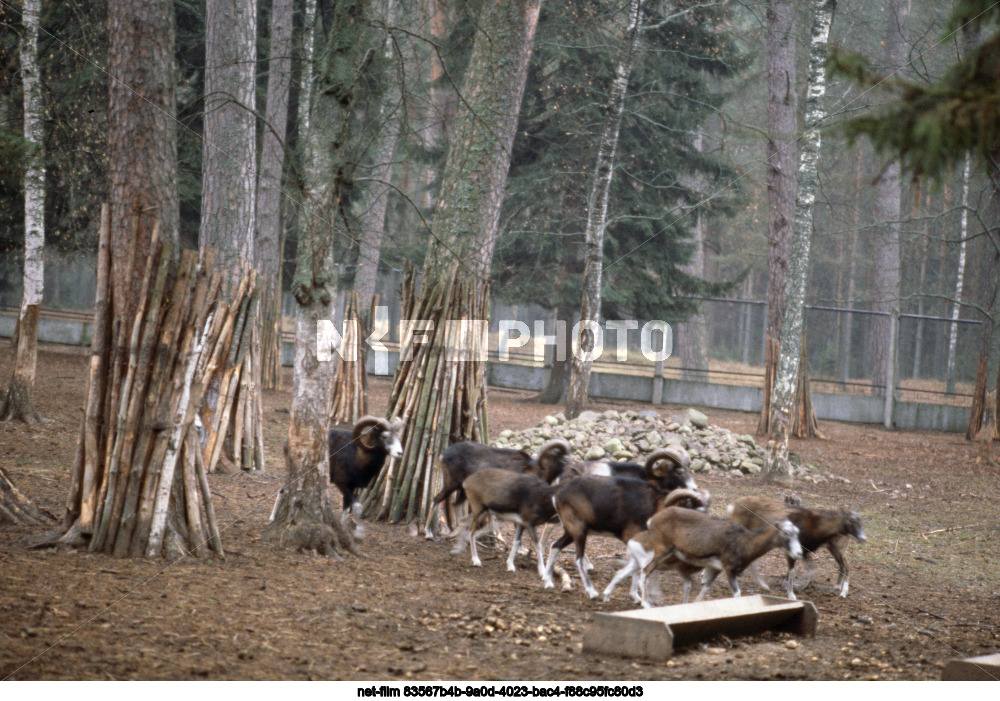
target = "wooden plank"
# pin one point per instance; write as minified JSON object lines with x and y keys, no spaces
{"x":653,"y":633}
{"x":981,"y":669}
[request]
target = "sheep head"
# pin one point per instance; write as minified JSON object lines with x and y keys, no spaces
{"x":373,"y":432}
{"x":852,"y":525}
{"x":553,"y":458}
{"x":671,"y":463}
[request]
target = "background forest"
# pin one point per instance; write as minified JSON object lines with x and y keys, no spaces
{"x":690,"y":173}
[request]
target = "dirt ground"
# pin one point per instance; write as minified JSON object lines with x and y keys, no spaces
{"x":924,"y":589}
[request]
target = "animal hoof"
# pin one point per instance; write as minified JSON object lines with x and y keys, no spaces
{"x":511,"y":568}
{"x":549,"y":585}
{"x":477,"y":563}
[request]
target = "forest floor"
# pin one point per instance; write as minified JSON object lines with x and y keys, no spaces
{"x":924,"y":589}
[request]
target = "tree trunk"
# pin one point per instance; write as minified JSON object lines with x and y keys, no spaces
{"x":555,"y":391}
{"x":692,"y":335}
{"x":585,"y":333}
{"x":847,"y":331}
{"x":269,"y":241}
{"x":18,"y":404}
{"x":777,"y":466}
{"x":956,"y":304}
{"x":924,"y":252}
{"x":440,"y":391}
{"x":303,"y":516}
{"x":885,"y":240}
{"x":229,"y":154}
{"x":782,"y":179}
{"x":233,"y":406}
{"x":160,"y":329}
{"x":375,"y":199}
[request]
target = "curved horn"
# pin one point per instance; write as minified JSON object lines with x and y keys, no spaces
{"x":552,"y":445}
{"x":362,"y":433}
{"x":674,"y":453}
{"x":698,"y":496}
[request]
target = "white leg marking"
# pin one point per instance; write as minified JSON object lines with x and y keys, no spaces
{"x":588,"y":586}
{"x":359,"y":528}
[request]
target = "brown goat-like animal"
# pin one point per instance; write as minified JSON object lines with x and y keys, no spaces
{"x":461,"y":460}
{"x":616,"y":506}
{"x":817,"y":527}
{"x":709,"y":542}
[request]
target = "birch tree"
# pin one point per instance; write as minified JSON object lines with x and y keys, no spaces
{"x":585,"y":334}
{"x":885,"y":239}
{"x":439,"y":387}
{"x":18,"y":403}
{"x":269,"y":239}
{"x":777,"y":467}
{"x":956,"y":303}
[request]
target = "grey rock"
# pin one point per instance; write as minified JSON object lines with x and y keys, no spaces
{"x":696,"y":418}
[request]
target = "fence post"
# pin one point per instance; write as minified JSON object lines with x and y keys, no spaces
{"x":890,"y":373}
{"x":658,"y":382}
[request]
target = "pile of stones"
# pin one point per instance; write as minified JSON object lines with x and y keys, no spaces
{"x":632,"y":435}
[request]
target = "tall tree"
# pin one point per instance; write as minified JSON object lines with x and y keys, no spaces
{"x":441,"y":395}
{"x":18,"y":403}
{"x":885,"y":234}
{"x":303,"y":516}
{"x":692,"y":335}
{"x":269,"y":239}
{"x":597,"y":214}
{"x":374,"y":200}
{"x":956,"y":304}
{"x":137,"y":486}
{"x":777,"y":467}
{"x":233,"y":407}
{"x":229,"y":155}
{"x":782,"y":179}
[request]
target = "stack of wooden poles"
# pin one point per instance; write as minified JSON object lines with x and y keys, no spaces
{"x":233,"y":411}
{"x":440,"y":394}
{"x":139,"y":485}
{"x":350,"y":380}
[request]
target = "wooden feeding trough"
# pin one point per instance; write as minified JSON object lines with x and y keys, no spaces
{"x":654,"y":633}
{"x":980,"y":669}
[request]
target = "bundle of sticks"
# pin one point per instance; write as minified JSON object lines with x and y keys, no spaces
{"x":350,"y":384}
{"x":439,"y":391}
{"x":139,"y":481}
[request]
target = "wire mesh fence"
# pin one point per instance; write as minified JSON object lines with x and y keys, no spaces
{"x":935,"y":357}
